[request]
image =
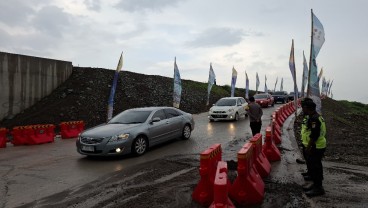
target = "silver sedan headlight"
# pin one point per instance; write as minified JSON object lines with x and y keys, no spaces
{"x":119,"y":137}
{"x":230,"y":110}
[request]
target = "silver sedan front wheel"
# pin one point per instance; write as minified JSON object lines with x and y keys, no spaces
{"x":139,"y":146}
{"x":186,"y":132}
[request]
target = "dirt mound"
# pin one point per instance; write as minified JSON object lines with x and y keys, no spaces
{"x":84,"y":97}
{"x":346,"y":135}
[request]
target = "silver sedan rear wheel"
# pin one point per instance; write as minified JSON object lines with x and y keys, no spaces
{"x":139,"y":146}
{"x":186,"y":132}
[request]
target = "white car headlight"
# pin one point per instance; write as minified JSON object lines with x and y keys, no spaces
{"x":230,"y":110}
{"x":119,"y":137}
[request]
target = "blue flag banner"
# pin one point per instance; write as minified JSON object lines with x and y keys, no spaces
{"x":277,"y":79}
{"x":211,"y":82}
{"x":257,"y":82}
{"x":305,"y":75}
{"x":246,"y":86}
{"x":329,"y":89}
{"x":177,"y":86}
{"x":293,"y":73}
{"x":317,"y":40}
{"x":282,"y":84}
{"x":233,"y":81}
{"x":266,"y":89}
{"x":110,"y":106}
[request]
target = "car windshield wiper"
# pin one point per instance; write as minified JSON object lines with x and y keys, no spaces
{"x":134,"y":122}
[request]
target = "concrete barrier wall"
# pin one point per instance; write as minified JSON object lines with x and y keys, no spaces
{"x":24,"y":80}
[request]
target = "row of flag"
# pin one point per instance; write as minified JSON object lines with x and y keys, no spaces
{"x":310,"y":79}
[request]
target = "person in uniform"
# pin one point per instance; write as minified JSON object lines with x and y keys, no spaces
{"x":255,"y":113}
{"x":314,"y":142}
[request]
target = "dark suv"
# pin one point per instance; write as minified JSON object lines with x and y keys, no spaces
{"x":291,"y":96}
{"x":280,"y":96}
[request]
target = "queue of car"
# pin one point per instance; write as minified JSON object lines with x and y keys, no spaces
{"x":134,"y":131}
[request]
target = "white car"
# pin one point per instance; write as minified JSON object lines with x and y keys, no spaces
{"x":228,"y":108}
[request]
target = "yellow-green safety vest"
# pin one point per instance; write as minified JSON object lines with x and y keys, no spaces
{"x":305,"y":133}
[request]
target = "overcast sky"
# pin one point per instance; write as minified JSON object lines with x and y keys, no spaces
{"x":252,"y":36}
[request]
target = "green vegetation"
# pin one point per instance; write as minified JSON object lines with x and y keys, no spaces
{"x":355,"y":107}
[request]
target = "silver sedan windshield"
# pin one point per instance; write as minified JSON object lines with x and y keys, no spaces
{"x":130,"y":117}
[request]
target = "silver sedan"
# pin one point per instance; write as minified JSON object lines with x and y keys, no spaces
{"x":135,"y":130}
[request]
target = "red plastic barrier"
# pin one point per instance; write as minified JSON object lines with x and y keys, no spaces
{"x":33,"y":134}
{"x":283,"y":113}
{"x":276,"y":132}
{"x":261,"y":163}
{"x":42,"y":134}
{"x":278,"y":117}
{"x":21,"y":134}
{"x":289,"y":108}
{"x":269,"y":148}
{"x":221,"y":187}
{"x":203,"y":192}
{"x":71,"y":129}
{"x":248,"y":187}
{"x":3,"y":138}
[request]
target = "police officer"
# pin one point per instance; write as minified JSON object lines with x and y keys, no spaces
{"x":314,"y":141}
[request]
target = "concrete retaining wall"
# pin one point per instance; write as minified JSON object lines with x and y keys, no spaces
{"x":24,"y":80}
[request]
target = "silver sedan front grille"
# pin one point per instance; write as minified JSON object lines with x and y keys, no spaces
{"x":90,"y":140}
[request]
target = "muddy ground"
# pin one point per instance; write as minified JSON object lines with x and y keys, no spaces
{"x":169,"y":182}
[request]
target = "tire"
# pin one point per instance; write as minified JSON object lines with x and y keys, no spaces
{"x":273,"y":104}
{"x":187,"y":131}
{"x":139,"y":146}
{"x":211,"y":120}
{"x":236,"y":117}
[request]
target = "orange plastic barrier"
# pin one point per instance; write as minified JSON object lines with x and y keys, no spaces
{"x":269,"y":148}
{"x":276,"y":132}
{"x":203,"y":192}
{"x":261,"y":163}
{"x":221,"y":187}
{"x":3,"y":138}
{"x":248,"y":187}
{"x":71,"y":129}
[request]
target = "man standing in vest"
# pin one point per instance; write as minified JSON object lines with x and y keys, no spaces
{"x":314,"y":141}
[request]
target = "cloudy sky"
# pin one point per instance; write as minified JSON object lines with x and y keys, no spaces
{"x":252,"y":36}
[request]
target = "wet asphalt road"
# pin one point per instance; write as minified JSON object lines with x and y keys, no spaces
{"x":34,"y":172}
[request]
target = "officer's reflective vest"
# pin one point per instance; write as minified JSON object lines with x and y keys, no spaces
{"x":305,"y":132}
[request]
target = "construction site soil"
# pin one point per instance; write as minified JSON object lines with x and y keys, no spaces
{"x":170,"y":182}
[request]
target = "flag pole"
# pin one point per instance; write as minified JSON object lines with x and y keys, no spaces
{"x":310,"y":56}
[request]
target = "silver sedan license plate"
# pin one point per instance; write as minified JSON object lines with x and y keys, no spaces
{"x":88,"y":148}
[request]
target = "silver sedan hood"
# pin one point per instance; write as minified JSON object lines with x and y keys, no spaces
{"x":107,"y":130}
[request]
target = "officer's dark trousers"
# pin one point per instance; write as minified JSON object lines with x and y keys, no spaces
{"x":305,"y":155}
{"x":256,"y":127}
{"x":314,"y":165}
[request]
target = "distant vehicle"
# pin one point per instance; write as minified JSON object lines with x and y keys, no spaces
{"x":280,"y":96}
{"x":134,"y":131}
{"x":264,"y":99}
{"x":228,"y":108}
{"x":291,"y":95}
